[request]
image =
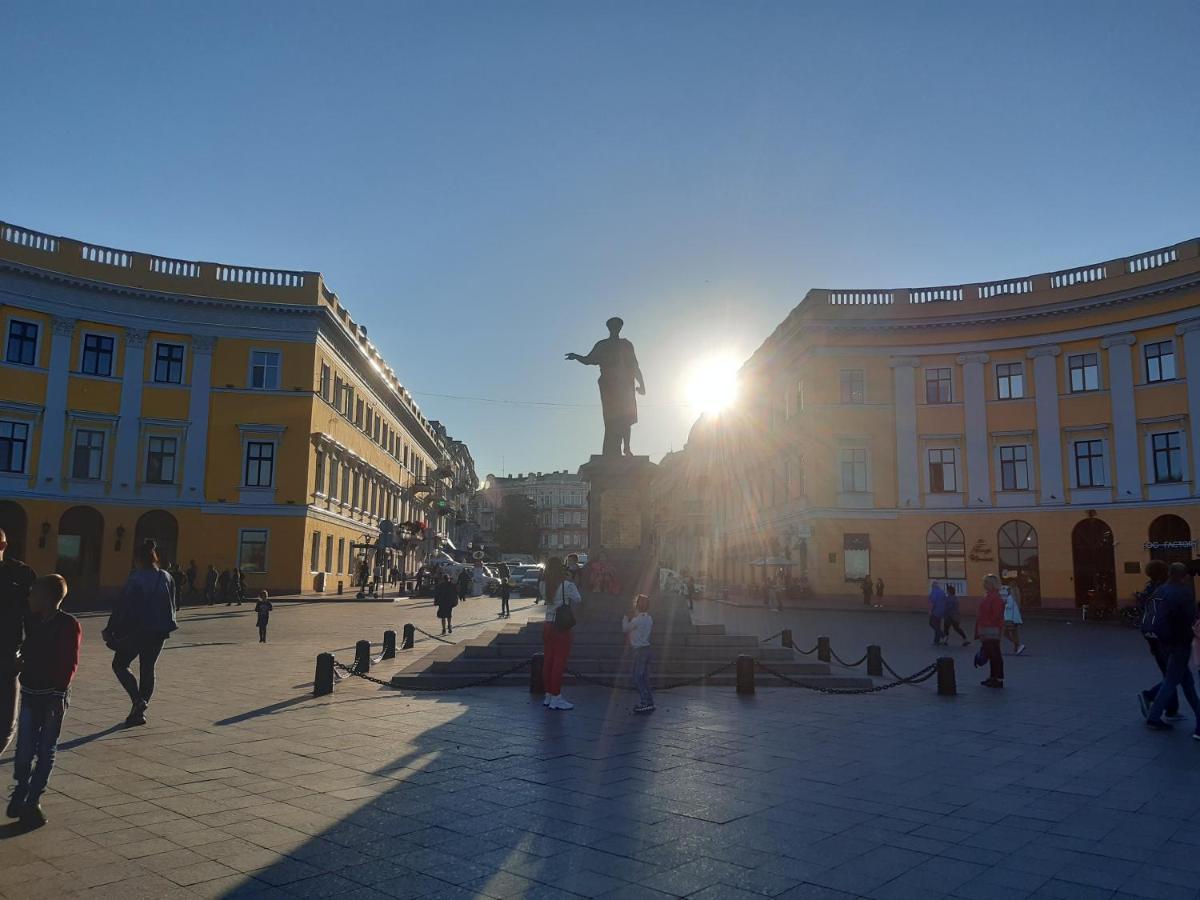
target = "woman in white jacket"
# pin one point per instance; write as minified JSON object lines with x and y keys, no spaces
{"x":1012,"y":616}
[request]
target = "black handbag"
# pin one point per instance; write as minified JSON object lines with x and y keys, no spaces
{"x":564,"y":616}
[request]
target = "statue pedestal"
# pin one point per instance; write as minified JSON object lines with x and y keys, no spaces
{"x":620,"y":519}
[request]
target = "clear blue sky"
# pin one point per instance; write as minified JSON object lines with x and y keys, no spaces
{"x":485,"y":183}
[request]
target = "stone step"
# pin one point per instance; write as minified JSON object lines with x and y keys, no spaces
{"x":499,"y":650}
{"x":583,"y":638}
{"x":616,"y":665}
{"x":446,"y":681}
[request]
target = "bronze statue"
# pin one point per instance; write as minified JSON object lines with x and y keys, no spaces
{"x":619,"y":372}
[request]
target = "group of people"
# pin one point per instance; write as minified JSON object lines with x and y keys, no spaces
{"x":1167,"y":614}
{"x":869,"y":588}
{"x":999,"y":618}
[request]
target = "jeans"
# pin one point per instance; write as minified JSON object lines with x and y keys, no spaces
{"x":935,"y":622}
{"x":1176,"y":674}
{"x":262,"y":634}
{"x":991,"y":649}
{"x":641,"y":675}
{"x":41,"y":722}
{"x":504,"y":595}
{"x":146,"y":651}
{"x":953,"y":624}
{"x":556,"y":648}
{"x":1160,"y":656}
{"x":8,"y":705}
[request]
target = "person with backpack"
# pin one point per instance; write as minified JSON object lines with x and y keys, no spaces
{"x":1156,"y":571}
{"x":559,"y":594}
{"x":937,"y":612}
{"x":1174,"y":605}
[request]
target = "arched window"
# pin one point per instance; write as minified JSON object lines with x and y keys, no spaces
{"x":946,"y":551}
{"x":1018,"y":555}
{"x":159,"y":526}
{"x":1170,"y":539}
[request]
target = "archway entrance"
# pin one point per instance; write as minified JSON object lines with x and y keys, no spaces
{"x":1170,"y":539}
{"x":1018,"y":549}
{"x":15,"y":524}
{"x":80,"y":534}
{"x":1094,"y":563}
{"x":159,"y":526}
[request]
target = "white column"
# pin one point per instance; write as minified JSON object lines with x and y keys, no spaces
{"x":195,"y":456}
{"x":1124,"y":415}
{"x":54,"y":422}
{"x":128,"y":451}
{"x":1191,"y":359}
{"x":1049,"y":433}
{"x":979,"y":483}
{"x":908,"y":491}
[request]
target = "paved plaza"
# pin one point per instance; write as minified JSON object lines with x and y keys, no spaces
{"x":243,"y":785}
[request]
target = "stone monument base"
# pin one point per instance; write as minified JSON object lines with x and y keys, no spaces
{"x":620,"y":522}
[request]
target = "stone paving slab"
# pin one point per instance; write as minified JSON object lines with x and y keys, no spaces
{"x":242,"y":785}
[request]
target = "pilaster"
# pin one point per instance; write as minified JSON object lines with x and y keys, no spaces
{"x":196,"y":453}
{"x":1045,"y":386}
{"x":54,"y":423}
{"x":1190,"y":331}
{"x":908,"y":490}
{"x":979,"y":487}
{"x":1124,"y":415}
{"x":133,"y":373}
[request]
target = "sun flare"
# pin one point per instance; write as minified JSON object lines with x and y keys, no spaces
{"x":712,"y":384}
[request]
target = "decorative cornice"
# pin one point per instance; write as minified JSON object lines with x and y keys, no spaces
{"x":1188,"y":326}
{"x":1118,"y":340}
{"x":971,"y":359}
{"x":1043,"y":350}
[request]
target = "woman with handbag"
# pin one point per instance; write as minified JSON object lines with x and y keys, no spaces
{"x":989,"y":625}
{"x":559,"y":594}
{"x":141,"y":621}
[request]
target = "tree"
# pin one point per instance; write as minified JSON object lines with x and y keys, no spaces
{"x":516,"y":525}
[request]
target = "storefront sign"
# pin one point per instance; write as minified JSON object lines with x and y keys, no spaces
{"x":981,"y":552}
{"x":1169,"y":545}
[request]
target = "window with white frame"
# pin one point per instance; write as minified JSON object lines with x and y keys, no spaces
{"x":1083,"y":370}
{"x":332,"y":491}
{"x":945,"y":552}
{"x":943,"y":470}
{"x":1160,"y":361}
{"x":1010,"y":381}
{"x":160,"y":460}
{"x":319,"y":479}
{"x":324,"y":387}
{"x":314,"y":556}
{"x":853,"y":386}
{"x":260,"y":463}
{"x":1166,"y":448}
{"x":1014,"y":468}
{"x":14,"y":446}
{"x":853,"y":461}
{"x":22,"y":343}
{"x":252,"y":550}
{"x":264,"y":370}
{"x":1089,"y":464}
{"x":97,"y":356}
{"x":168,"y":363}
{"x":939,"y":385}
{"x":88,"y":459}
{"x":856,"y":556}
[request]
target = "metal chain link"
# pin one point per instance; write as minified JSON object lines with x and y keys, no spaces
{"x":433,"y":636}
{"x":601,"y":682}
{"x":772,"y":637}
{"x":916,"y":678}
{"x":487,"y":679}
{"x":808,"y":652}
{"x":842,"y":662}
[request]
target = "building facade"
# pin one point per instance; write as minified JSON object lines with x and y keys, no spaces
{"x":560,"y":507}
{"x":239,"y":416}
{"x":1045,"y":428}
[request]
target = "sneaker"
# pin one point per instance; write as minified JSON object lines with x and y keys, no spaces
{"x":560,"y":702}
{"x":32,"y":816}
{"x":1196,"y":735}
{"x":992,"y":683}
{"x":1158,"y":725}
{"x":16,"y":805}
{"x":1172,"y":717}
{"x":547,"y":700}
{"x":1145,"y":704}
{"x":642,"y":709}
{"x":1020,"y":650}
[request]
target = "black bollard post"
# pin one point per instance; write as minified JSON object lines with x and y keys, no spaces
{"x":535,"y":674}
{"x":823,"y":653}
{"x":874,"y":660}
{"x":362,"y":656}
{"x":389,"y":645}
{"x":745,"y":674}
{"x":323,"y":681}
{"x":786,"y":638}
{"x":410,"y":635}
{"x":945,"y":677}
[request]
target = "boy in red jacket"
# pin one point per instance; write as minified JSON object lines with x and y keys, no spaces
{"x":49,"y":658}
{"x":989,"y":624}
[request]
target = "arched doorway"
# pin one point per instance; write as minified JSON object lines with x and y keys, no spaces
{"x":159,"y":526}
{"x":80,"y":534}
{"x":1170,"y":539}
{"x":1018,"y":551}
{"x":15,"y":523}
{"x":1094,"y":563}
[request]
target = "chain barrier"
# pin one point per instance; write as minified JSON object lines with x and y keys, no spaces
{"x":616,"y":685}
{"x":808,"y":652}
{"x":916,"y":678}
{"x":433,"y":636}
{"x":487,"y":679}
{"x":772,"y":637}
{"x":842,"y":662}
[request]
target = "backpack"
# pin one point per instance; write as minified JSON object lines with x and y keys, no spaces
{"x":1152,"y":619}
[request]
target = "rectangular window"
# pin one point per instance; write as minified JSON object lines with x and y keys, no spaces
{"x":22,"y":343}
{"x":160,"y":460}
{"x":97,"y":356}
{"x":1084,"y":371}
{"x":14,"y":446}
{"x":1089,"y":464}
{"x":943,"y":472}
{"x":89,"y":455}
{"x":854,"y":470}
{"x":341,"y":560}
{"x":1014,"y":468}
{"x":319,"y":480}
{"x":1167,"y":448}
{"x":324,"y":387}
{"x":344,"y":496}
{"x":800,"y":396}
{"x":314,"y":555}
{"x":358,"y":413}
{"x":252,"y":550}
{"x":329,"y":553}
{"x":264,"y":370}
{"x":168,"y":363}
{"x":1160,"y":361}
{"x":1010,"y":381}
{"x":354,"y":495}
{"x":856,"y":554}
{"x":938,"y":386}
{"x":853,"y":386}
{"x":260,"y":463}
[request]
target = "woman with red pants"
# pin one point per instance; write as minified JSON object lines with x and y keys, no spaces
{"x":557,"y":591}
{"x":989,"y":624}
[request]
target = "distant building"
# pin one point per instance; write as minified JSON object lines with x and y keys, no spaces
{"x":560,"y":506}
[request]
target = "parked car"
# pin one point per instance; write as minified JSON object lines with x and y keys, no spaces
{"x":526,"y":581}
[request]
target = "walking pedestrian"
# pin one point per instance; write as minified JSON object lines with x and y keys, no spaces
{"x":224,"y":583}
{"x":210,"y":584}
{"x":1175,"y":618}
{"x":464,"y":584}
{"x":16,"y":580}
{"x":445,"y":598}
{"x":558,"y":593}
{"x":263,"y":608}
{"x":49,"y":660}
{"x":952,"y":618}
{"x":937,"y":612}
{"x":505,"y":590}
{"x":989,"y":623}
{"x":1012,"y":616}
{"x":238,"y":583}
{"x":879,"y":593}
{"x":1147,"y":601}
{"x":868,"y":587}
{"x":142,"y":619}
{"x":637,"y":625}
{"x":191,"y":578}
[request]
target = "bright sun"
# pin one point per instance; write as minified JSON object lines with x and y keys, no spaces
{"x":712,"y":384}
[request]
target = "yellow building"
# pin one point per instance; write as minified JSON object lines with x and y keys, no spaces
{"x":1046,"y":428}
{"x":237,"y":415}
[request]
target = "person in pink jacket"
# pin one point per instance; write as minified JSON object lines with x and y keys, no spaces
{"x":989,"y":625}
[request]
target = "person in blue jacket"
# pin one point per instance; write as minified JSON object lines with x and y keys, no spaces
{"x":937,"y":612}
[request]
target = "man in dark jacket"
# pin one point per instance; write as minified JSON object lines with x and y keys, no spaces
{"x":16,"y":579}
{"x":1174,"y":616}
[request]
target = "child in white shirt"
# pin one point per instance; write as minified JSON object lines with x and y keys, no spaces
{"x":637,"y":626}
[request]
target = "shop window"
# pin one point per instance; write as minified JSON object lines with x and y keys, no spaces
{"x":856,"y":556}
{"x":945,"y":552}
{"x":252,"y":550}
